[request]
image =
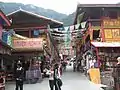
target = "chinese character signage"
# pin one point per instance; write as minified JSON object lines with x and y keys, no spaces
{"x":29,"y":44}
{"x":109,"y":23}
{"x":112,"y":35}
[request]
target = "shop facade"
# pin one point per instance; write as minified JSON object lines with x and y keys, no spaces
{"x":31,"y":41}
{"x":101,"y":37}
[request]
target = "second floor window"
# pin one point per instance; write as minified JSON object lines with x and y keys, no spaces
{"x":113,"y":14}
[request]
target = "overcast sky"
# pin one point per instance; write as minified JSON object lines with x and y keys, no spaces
{"x":62,"y":6}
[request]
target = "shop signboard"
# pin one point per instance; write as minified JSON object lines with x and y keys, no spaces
{"x":111,"y":23}
{"x":112,"y":35}
{"x":6,"y":38}
{"x":95,"y":75}
{"x":28,"y":44}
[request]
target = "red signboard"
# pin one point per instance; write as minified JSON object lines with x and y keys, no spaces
{"x":28,"y":44}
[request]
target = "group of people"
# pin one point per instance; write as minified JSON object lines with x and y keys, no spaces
{"x":54,"y":76}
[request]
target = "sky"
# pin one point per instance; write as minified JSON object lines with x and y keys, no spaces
{"x":62,"y":6}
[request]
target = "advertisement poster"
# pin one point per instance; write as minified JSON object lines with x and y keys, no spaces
{"x":95,"y":75}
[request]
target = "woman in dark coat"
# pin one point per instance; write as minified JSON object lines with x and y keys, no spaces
{"x":19,"y":76}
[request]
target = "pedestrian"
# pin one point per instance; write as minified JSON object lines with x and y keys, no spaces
{"x":51,"y":78}
{"x":60,"y":69}
{"x":19,"y":76}
{"x":116,"y":75}
{"x":57,"y":80}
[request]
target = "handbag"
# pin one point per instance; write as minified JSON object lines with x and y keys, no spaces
{"x":60,"y":83}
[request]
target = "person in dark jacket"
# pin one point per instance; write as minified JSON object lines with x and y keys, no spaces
{"x":19,"y":76}
{"x":56,"y":77}
{"x":116,"y":75}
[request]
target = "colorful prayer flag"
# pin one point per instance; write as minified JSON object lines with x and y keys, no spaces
{"x":77,"y":26}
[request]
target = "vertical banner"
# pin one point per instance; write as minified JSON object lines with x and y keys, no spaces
{"x":1,"y":31}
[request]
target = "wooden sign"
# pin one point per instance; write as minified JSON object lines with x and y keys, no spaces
{"x":95,"y":75}
{"x":28,"y":44}
{"x":112,"y":35}
{"x":109,"y":23}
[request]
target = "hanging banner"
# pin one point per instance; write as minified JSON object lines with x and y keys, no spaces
{"x":66,"y":28}
{"x":77,"y":26}
{"x":72,"y":28}
{"x":29,"y":44}
{"x":111,"y":23}
{"x":83,"y":24}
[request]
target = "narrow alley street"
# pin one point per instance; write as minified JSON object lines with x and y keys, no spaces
{"x":71,"y":81}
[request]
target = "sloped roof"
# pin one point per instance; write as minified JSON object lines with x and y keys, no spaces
{"x":33,"y":14}
{"x":99,"y":5}
{"x":80,"y":8}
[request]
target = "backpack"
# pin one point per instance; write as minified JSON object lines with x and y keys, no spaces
{"x":60,"y":83}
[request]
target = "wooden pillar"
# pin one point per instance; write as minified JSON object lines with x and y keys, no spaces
{"x":1,"y":31}
{"x":30,"y":33}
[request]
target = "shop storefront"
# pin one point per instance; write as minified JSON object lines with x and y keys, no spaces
{"x":5,"y":49}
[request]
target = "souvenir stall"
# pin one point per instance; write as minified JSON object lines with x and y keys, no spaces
{"x":5,"y":49}
{"x":107,"y":54}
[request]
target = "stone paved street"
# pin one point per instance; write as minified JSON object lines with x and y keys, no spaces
{"x":71,"y":81}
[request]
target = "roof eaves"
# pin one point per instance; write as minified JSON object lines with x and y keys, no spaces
{"x":56,"y":21}
{"x":9,"y":14}
{"x":39,"y":16}
{"x":98,"y":5}
{"x":5,"y":18}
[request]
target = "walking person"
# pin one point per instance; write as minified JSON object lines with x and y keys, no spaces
{"x":116,"y":75}
{"x":57,"y":80}
{"x":19,"y":77}
{"x":51,"y":78}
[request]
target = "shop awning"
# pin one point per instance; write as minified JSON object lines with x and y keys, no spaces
{"x":106,"y":44}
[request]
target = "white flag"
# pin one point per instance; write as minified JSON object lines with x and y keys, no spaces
{"x":77,"y":26}
{"x":66,"y":28}
{"x":83,"y":24}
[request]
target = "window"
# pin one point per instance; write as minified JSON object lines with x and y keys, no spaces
{"x":96,"y":34}
{"x":113,"y":14}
